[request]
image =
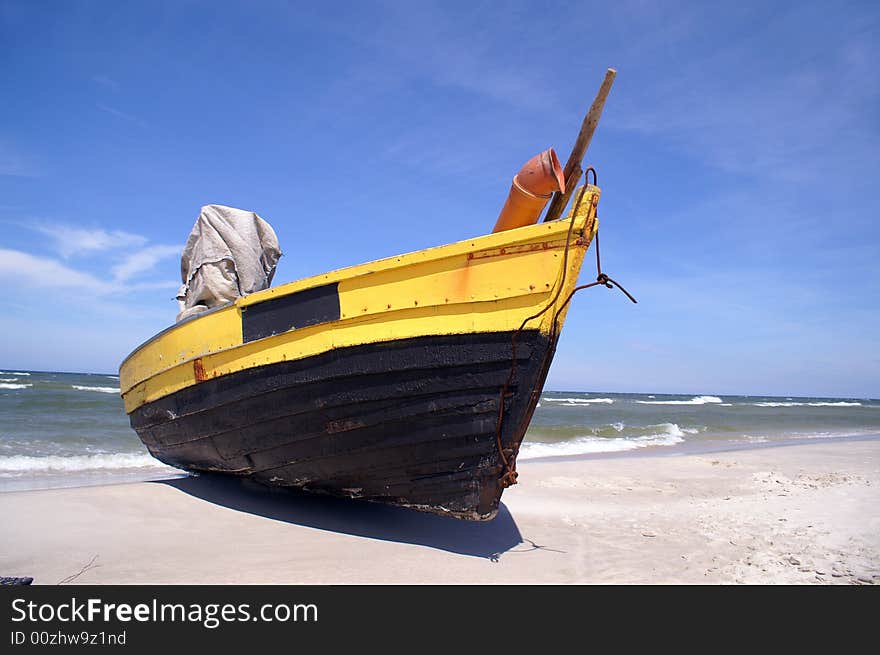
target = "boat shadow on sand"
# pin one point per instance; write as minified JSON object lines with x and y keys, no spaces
{"x":489,"y":539}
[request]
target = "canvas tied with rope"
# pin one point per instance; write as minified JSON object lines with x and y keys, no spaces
{"x":229,"y":253}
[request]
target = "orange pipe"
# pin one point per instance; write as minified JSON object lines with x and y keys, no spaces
{"x":530,"y":190}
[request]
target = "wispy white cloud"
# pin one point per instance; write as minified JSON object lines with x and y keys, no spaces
{"x":463,"y":54}
{"x":70,"y":240}
{"x":130,"y":252}
{"x":121,"y":114}
{"x":23,"y":269}
{"x":142,"y":261}
{"x":793,"y":119}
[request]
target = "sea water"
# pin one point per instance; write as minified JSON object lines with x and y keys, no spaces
{"x":66,"y":429}
{"x":567,"y":424}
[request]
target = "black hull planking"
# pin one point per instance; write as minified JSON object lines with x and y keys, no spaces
{"x":409,"y":422}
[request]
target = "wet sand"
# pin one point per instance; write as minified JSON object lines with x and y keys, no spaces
{"x":796,"y":514}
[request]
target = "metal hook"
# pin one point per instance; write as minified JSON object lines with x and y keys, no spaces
{"x":595,"y":176}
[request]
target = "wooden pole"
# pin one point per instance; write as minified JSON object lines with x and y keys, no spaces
{"x":573,"y":166}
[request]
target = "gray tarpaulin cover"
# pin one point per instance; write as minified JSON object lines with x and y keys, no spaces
{"x":229,"y":253}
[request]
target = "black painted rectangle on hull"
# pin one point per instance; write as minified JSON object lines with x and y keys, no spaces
{"x":293,"y":311}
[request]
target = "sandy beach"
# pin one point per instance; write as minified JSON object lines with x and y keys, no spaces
{"x":792,"y":514}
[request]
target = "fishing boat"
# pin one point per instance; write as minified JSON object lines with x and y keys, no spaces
{"x":409,"y":380}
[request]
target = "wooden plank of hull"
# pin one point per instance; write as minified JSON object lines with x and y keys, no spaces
{"x":409,"y":422}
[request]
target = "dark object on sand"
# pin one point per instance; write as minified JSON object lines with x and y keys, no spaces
{"x":15,"y":581}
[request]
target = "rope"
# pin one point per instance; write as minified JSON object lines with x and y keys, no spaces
{"x":601,"y":280}
{"x":509,"y":473}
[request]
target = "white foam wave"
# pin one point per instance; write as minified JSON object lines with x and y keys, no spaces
{"x":579,"y":401}
{"x":6,"y":385}
{"x":841,"y":404}
{"x":14,"y":373}
{"x":55,"y":463}
{"x":8,"y":379}
{"x":778,"y":404}
{"x":100,"y":389}
{"x":795,"y":404}
{"x":671,"y":429}
{"x":670,"y":435}
{"x":696,"y":400}
{"x":833,"y":435}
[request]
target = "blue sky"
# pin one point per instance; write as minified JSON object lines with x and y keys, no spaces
{"x":739,"y":156}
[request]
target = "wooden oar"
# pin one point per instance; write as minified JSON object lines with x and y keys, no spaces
{"x":573,"y":166}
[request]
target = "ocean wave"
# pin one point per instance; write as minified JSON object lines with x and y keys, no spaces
{"x":796,"y":404}
{"x":56,"y":463}
{"x":834,"y":435}
{"x":8,"y":379}
{"x":696,"y":400}
{"x":6,"y":385}
{"x":100,"y":389}
{"x":670,"y":436}
{"x":797,"y":436}
{"x":672,"y":429}
{"x":14,"y":373}
{"x":579,"y":401}
{"x":615,"y":430}
{"x":840,"y":404}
